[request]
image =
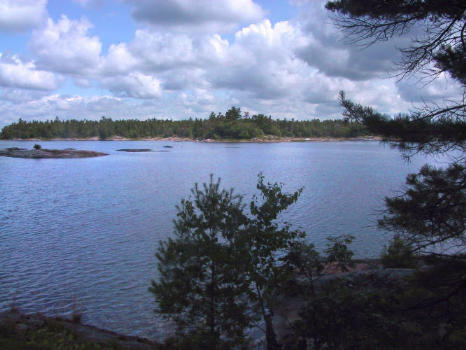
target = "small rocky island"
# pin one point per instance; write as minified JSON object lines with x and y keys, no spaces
{"x":39,"y":152}
{"x":134,"y":150}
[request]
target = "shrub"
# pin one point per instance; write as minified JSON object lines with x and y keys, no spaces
{"x":399,"y":253}
{"x":37,"y":146}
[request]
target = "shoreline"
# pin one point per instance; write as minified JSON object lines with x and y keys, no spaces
{"x":186,"y":139}
{"x":19,"y":330}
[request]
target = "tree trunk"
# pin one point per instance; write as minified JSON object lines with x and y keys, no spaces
{"x":213,"y":338}
{"x":270,"y":336}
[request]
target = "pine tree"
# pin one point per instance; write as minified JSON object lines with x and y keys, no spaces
{"x":223,"y":269}
{"x":269,"y":241}
{"x":203,"y":283}
{"x":433,"y":129}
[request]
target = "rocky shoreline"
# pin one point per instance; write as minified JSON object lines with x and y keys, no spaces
{"x":16,"y":152}
{"x":36,"y":331}
{"x":266,"y":139}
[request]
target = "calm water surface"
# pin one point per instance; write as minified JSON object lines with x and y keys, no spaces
{"x":81,"y":233}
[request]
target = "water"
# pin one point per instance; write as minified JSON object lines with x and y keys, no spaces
{"x":80,"y":234}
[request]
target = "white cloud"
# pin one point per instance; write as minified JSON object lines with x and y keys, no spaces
{"x":420,"y":90}
{"x":160,"y":51}
{"x":326,"y":47}
{"x":135,"y":85}
{"x":199,"y":15}
{"x":21,"y":15}
{"x":288,"y":69}
{"x":119,"y":60}
{"x":80,"y":107}
{"x":18,"y":74}
{"x":16,"y":96}
{"x":66,"y":47}
{"x":261,"y":61}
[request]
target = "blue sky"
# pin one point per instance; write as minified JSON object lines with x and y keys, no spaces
{"x":183,"y":58}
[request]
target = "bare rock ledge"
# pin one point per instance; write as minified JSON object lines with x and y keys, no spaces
{"x":16,"y":152}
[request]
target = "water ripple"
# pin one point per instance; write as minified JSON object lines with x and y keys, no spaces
{"x":81,"y":234}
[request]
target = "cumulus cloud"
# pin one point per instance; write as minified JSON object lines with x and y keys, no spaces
{"x":260,"y":61}
{"x":18,"y":74}
{"x":135,"y":85}
{"x":326,"y":47}
{"x":15,"y":95}
{"x":47,"y":107}
{"x":119,"y":60}
{"x":199,"y":15}
{"x":422,"y":90}
{"x":176,"y":60}
{"x":79,"y":107}
{"x":65,"y":46}
{"x":21,"y":15}
{"x":290,"y":69}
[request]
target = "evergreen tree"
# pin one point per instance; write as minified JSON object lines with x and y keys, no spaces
{"x":234,"y":113}
{"x":428,"y":208}
{"x":439,"y":49}
{"x":203,"y":283}
{"x":428,"y":310}
{"x":269,"y":241}
{"x":223,"y":268}
{"x":230,"y":126}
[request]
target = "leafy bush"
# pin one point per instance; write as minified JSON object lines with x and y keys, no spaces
{"x":399,"y":253}
{"x":37,"y":146}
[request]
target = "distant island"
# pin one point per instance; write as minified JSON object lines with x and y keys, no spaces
{"x":38,"y":153}
{"x":231,"y":126}
{"x":134,"y":150}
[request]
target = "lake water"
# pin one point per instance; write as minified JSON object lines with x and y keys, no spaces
{"x":81,"y":233}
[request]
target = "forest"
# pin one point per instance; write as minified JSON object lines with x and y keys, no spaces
{"x":233,"y":125}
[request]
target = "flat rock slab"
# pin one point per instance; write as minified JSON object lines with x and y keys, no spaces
{"x":16,"y":152}
{"x":134,"y":150}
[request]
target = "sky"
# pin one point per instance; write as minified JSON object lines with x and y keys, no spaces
{"x":177,"y":59}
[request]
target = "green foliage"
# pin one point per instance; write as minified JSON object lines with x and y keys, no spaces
{"x":267,"y":241}
{"x":338,"y":252}
{"x":303,"y":259}
{"x":232,"y":125}
{"x":441,"y":45}
{"x":428,"y":312}
{"x":203,"y":282}
{"x":51,"y":335}
{"x":440,"y":48}
{"x":37,"y":146}
{"x":376,"y":311}
{"x":398,"y":254}
{"x":414,"y":133}
{"x":233,"y":113}
{"x":223,"y":267}
{"x":431,"y":211}
{"x":339,"y":316}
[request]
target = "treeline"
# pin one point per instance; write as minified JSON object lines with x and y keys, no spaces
{"x":231,"y":125}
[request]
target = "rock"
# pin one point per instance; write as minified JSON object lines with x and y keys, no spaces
{"x":83,"y":335}
{"x":134,"y":150}
{"x":16,"y":152}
